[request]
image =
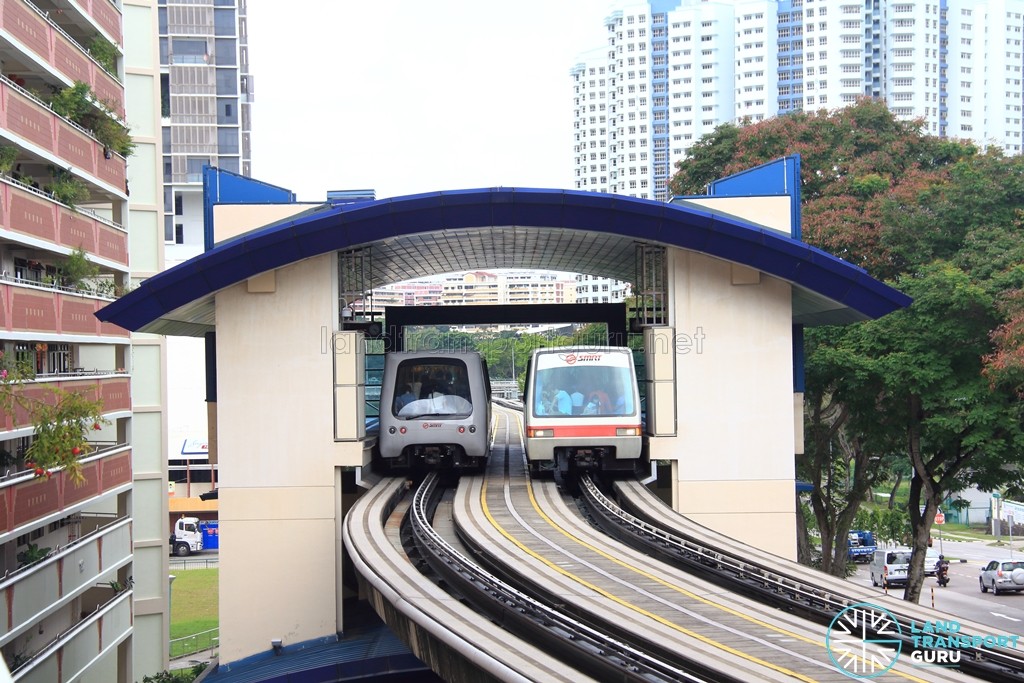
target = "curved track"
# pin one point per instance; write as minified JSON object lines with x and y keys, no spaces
{"x":591,"y":605}
{"x":455,"y":641}
{"x":529,"y":530}
{"x":788,"y":584}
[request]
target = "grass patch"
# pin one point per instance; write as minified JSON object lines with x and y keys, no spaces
{"x":194,"y":602}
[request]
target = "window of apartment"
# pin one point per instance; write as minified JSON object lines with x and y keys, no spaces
{"x":227,"y":82}
{"x":179,"y":233}
{"x":224,"y":52}
{"x":189,"y":51}
{"x":227,"y":140}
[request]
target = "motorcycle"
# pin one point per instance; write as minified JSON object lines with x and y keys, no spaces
{"x":942,"y":573}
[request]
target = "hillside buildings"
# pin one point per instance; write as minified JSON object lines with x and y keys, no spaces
{"x":501,"y":287}
{"x":673,"y":70}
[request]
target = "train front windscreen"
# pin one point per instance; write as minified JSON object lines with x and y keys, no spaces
{"x":583,"y":384}
{"x":432,"y":387}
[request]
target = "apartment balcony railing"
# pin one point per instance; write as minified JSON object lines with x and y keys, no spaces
{"x":26,"y":210}
{"x":49,"y":310}
{"x":68,"y":655}
{"x":106,"y":14}
{"x":27,"y":117}
{"x":38,"y":590}
{"x":114,"y":391}
{"x":34,"y":30}
{"x":27,"y":500}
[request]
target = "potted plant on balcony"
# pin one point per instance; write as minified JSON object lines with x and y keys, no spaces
{"x":79,"y":104}
{"x":31,"y":555}
{"x":74,"y":102}
{"x":104,"y":52}
{"x":76,"y":270}
{"x":66,"y":188}
{"x":8,"y":156}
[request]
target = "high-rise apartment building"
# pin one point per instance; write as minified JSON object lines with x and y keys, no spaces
{"x":206,"y":92}
{"x":673,"y":70}
{"x":84,"y":564}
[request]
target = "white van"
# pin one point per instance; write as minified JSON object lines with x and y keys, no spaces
{"x":889,"y":566}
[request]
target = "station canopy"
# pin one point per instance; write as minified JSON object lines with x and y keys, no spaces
{"x":482,"y":229}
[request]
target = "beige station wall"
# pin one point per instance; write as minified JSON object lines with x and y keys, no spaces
{"x":279,"y":482}
{"x":733,"y":455}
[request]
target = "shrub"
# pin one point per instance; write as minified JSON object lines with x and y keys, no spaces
{"x":104,"y":52}
{"x":8,"y":155}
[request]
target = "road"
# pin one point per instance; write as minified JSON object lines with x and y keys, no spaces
{"x":962,"y":597}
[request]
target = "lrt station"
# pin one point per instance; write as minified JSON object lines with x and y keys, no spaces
{"x":725,"y":288}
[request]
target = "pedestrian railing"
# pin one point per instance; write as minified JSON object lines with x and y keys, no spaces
{"x":197,"y":642}
{"x":181,"y":563}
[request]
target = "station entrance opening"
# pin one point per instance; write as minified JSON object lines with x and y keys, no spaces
{"x":398,"y":318}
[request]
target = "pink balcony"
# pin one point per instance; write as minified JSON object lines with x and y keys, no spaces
{"x":32,"y":121}
{"x":31,"y":213}
{"x":114,"y":392}
{"x":53,"y":47}
{"x":49,"y":311}
{"x":24,"y":498}
{"x":106,"y":15}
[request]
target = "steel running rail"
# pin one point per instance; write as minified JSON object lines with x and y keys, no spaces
{"x":593,"y":652}
{"x":773,"y":587}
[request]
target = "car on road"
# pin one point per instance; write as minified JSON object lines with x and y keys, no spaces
{"x":1001,"y":576}
{"x":930,"y":560}
{"x":889,"y":566}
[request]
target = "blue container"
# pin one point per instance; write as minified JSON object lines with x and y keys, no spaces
{"x":211,"y":535}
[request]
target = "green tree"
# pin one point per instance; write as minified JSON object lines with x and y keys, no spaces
{"x":924,"y":371}
{"x":933,"y":392}
{"x":61,"y":420}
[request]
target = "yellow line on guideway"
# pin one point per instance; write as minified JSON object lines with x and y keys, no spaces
{"x":656,"y":579}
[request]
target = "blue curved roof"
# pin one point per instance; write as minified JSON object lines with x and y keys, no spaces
{"x":506,"y":228}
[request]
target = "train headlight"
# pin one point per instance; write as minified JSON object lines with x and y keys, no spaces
{"x":534,"y":432}
{"x":472,"y":429}
{"x":391,"y":429}
{"x":627,"y":431}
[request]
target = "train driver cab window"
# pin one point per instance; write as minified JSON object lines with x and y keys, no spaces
{"x":438,"y":388}
{"x":577,"y":390}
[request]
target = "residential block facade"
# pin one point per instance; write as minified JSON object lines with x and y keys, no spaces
{"x":66,"y":548}
{"x":674,"y":70}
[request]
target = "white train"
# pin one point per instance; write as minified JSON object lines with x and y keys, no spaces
{"x":435,"y":411}
{"x":582,"y":410}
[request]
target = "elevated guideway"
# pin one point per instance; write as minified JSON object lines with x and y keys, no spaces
{"x":533,"y":553}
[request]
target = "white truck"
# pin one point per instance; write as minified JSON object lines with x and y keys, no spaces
{"x":187,"y":537}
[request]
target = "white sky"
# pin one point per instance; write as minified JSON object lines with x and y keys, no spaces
{"x":408,"y":96}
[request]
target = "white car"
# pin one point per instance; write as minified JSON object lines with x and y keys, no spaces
{"x":1002,"y":575}
{"x":930,"y":559}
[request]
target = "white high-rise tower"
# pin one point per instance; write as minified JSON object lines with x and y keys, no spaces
{"x":673,"y":70}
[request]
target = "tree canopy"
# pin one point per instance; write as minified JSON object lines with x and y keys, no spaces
{"x":934,"y":389}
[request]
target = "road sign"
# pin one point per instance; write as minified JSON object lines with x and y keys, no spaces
{"x":940,"y":518}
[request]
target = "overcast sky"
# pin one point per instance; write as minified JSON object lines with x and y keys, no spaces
{"x":410,"y":96}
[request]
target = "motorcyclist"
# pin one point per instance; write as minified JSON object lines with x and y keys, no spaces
{"x":942,"y":571}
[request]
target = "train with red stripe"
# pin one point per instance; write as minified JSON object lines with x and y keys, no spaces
{"x":582,"y":412}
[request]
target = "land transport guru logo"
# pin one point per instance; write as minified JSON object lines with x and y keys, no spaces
{"x":865,"y":641}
